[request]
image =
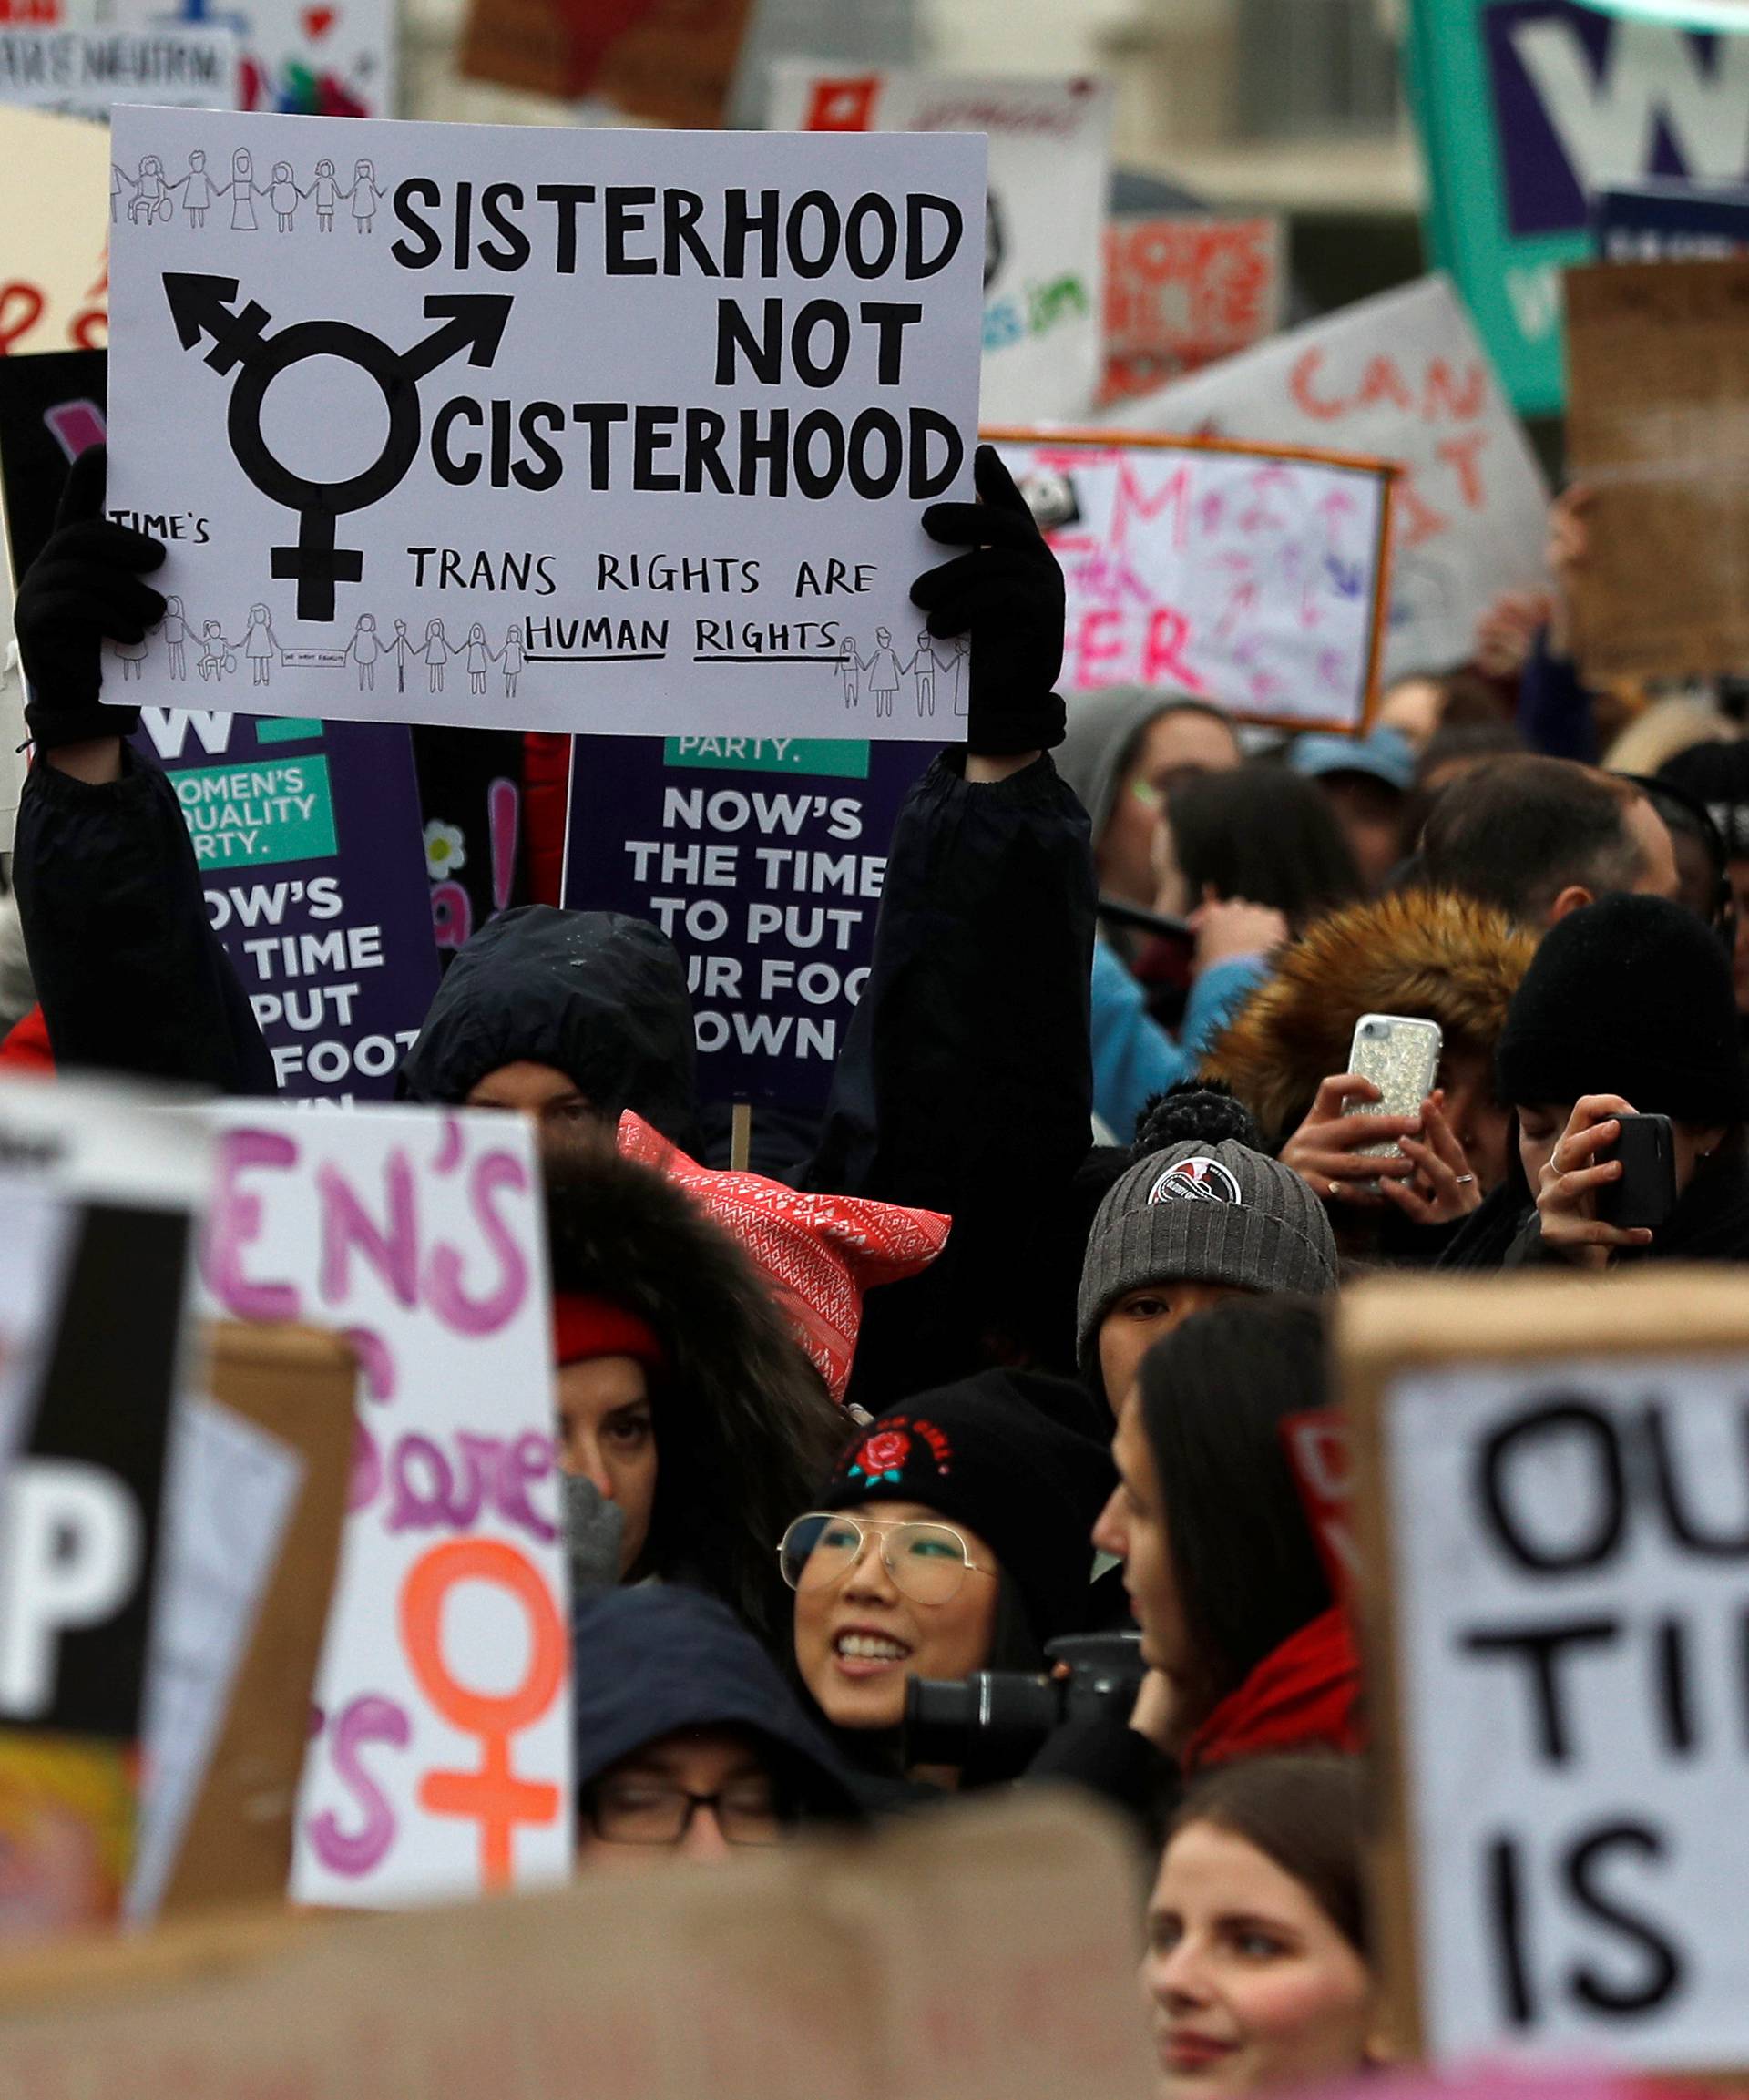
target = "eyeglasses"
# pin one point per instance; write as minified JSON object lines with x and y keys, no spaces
{"x":928,"y":1562}
{"x":633,"y":1811}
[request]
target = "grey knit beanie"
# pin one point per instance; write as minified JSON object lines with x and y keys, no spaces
{"x":1200,"y":1212}
{"x":1101,"y":728}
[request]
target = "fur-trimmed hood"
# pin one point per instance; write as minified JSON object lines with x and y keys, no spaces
{"x":1426,"y":953}
{"x":745,"y":1430}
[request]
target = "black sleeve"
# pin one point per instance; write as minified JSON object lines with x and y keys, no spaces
{"x":1107,"y":1757}
{"x":965,"y":1081}
{"x":131,"y":977}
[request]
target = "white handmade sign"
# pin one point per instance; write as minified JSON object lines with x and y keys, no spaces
{"x":1044,"y":254}
{"x":1555,"y":1519}
{"x":84,"y":71}
{"x":1401,"y":377}
{"x":1248,"y":579}
{"x":584,"y":430}
{"x":442,"y":1762}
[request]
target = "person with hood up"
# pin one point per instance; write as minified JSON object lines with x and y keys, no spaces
{"x":1628,"y":1008}
{"x":682,"y":1398}
{"x":1424,"y":954}
{"x":952,"y":1536}
{"x":689,"y":1744}
{"x":1127,"y":751}
{"x":566,"y":1015}
{"x":1202,"y":1215}
{"x":1249,"y":1648}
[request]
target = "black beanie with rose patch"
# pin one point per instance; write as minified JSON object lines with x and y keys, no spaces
{"x":1016,"y":1457}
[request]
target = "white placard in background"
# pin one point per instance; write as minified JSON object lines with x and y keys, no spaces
{"x":1405,"y":377}
{"x":84,"y":71}
{"x":1043,"y":253}
{"x":579,"y":430}
{"x":442,"y":1763}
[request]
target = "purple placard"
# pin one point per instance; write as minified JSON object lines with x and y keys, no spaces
{"x":762,"y":859}
{"x":1544,"y":191}
{"x":307,"y":837}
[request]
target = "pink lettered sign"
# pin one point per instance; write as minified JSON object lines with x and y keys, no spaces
{"x":439,"y":1762}
{"x":1255,"y":579}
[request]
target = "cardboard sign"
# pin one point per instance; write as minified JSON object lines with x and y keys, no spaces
{"x":983,"y":1951}
{"x":763,"y":861}
{"x":442,"y":1762}
{"x":671,"y":62}
{"x":1050,"y":143}
{"x":1553,"y":1476}
{"x":307,"y":838}
{"x":1670,"y":222}
{"x":1653,"y":429}
{"x":296,"y":1385}
{"x":1528,"y":109}
{"x":1250,"y":578}
{"x":84,"y":71}
{"x":586,"y":430}
{"x":54,"y":283}
{"x":1180,"y":293}
{"x":1400,"y":377}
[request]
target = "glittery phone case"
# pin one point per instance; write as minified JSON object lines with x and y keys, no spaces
{"x":1401,"y":1057}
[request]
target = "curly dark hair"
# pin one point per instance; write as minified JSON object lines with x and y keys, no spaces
{"x":745,"y":1431}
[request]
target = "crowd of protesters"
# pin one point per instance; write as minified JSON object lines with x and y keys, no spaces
{"x":1000,"y":1361}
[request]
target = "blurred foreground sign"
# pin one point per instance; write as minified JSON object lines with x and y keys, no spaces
{"x":1554,"y":1508}
{"x":442,"y":1765}
{"x":985,"y":1953}
{"x":1656,"y":429}
{"x":1250,"y":578}
{"x":1400,"y":377}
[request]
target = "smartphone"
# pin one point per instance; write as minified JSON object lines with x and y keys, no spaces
{"x":1401,"y":1057}
{"x":1645,"y":1194}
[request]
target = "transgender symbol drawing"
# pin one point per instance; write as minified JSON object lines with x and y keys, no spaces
{"x":201,"y":306}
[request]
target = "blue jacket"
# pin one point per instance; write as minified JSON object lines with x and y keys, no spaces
{"x":1134,"y":1057}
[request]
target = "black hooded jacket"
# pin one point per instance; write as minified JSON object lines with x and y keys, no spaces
{"x":597,"y":995}
{"x":655,"y":1659}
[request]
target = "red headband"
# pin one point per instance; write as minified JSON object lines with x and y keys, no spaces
{"x":585,"y":1326}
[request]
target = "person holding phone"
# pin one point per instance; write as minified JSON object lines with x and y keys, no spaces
{"x":1621,"y":1057}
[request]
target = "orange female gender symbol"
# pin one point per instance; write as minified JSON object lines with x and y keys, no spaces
{"x":493,"y":1794}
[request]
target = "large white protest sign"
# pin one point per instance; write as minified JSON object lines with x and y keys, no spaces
{"x":86,"y":71}
{"x":1044,"y":256}
{"x":1555,"y":1518}
{"x":579,"y":430}
{"x":1401,"y":377}
{"x":442,"y":1762}
{"x":1249,"y":579}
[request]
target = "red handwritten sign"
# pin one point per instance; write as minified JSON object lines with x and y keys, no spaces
{"x":1181,"y":293}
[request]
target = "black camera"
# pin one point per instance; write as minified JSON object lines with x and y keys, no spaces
{"x":989,"y":1726}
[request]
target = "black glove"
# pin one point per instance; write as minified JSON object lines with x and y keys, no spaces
{"x":83,"y":586}
{"x":1007,"y":594}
